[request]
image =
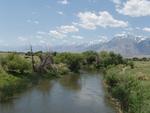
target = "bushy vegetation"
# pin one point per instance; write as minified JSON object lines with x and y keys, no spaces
{"x":126,"y":79}
{"x":15,"y":63}
{"x":90,"y":57}
{"x":12,"y":69}
{"x":140,"y":59}
{"x":72,"y":60}
{"x":9,"y":85}
{"x":107,"y":59}
{"x":126,"y":86}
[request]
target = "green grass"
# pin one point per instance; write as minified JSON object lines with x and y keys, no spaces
{"x":9,"y":85}
{"x":14,"y":69}
{"x":119,"y":77}
{"x":142,"y":72}
{"x":16,"y":74}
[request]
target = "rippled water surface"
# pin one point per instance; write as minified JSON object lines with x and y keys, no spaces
{"x":71,"y":94}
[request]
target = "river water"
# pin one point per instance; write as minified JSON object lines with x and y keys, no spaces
{"x":82,"y":93}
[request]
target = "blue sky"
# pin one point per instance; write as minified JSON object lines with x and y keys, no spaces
{"x":56,"y":22}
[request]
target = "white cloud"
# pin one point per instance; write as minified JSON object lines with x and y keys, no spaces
{"x":90,"y":20}
{"x":33,"y":21}
{"x":134,"y":8}
{"x":42,"y":42}
{"x":41,"y":33}
{"x":67,"y":29}
{"x":116,"y":1}
{"x":29,"y":20}
{"x":147,"y":29}
{"x":137,"y":28}
{"x":103,"y":39}
{"x":122,"y":35}
{"x":64,"y":2}
{"x":60,"y":13}
{"x":23,"y":39}
{"x":36,"y":22}
{"x":56,"y":34}
{"x":77,"y":37}
{"x":62,"y":31}
{"x":38,"y":36}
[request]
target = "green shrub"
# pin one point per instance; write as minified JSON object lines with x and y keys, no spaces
{"x":126,"y":89}
{"x":89,"y":57}
{"x":15,"y":63}
{"x":9,"y":85}
{"x":131,"y":64}
{"x":62,"y":69}
{"x":72,"y":60}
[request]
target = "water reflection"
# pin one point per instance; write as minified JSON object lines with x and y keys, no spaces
{"x":71,"y":82}
{"x":45,"y":86}
{"x":71,"y":94}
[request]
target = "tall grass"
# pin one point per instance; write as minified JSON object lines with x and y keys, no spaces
{"x":15,"y":63}
{"x":126,"y":88}
{"x":9,"y":85}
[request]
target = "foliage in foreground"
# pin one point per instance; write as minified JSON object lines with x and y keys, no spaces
{"x":15,"y":63}
{"x":17,"y":68}
{"x":9,"y":85}
{"x":127,"y":89}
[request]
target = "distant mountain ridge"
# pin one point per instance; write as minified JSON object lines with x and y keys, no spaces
{"x":126,"y":44}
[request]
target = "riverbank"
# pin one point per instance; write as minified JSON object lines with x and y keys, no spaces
{"x":16,"y":74}
{"x":126,"y":79}
{"x":19,"y":70}
{"x":130,"y":86}
{"x":113,"y":101}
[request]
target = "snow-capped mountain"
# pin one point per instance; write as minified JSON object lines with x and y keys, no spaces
{"x":125,"y":44}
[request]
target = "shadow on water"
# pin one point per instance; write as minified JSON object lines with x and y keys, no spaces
{"x":82,"y":93}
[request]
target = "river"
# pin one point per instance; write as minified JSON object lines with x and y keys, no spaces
{"x":82,"y":93}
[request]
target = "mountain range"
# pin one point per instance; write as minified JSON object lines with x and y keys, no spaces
{"x":125,"y":44}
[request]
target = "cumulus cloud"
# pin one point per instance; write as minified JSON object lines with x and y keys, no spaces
{"x":42,"y":42}
{"x":147,"y":29}
{"x":56,"y":34}
{"x":116,"y":1}
{"x":41,"y":33}
{"x":60,"y":12}
{"x":23,"y":39}
{"x":67,"y":29}
{"x":38,"y":36}
{"x":33,"y":21}
{"x":103,"y":39}
{"x":90,"y":20}
{"x":64,"y":2}
{"x":36,"y":22}
{"x":134,"y":8}
{"x":77,"y":37}
{"x":62,"y":31}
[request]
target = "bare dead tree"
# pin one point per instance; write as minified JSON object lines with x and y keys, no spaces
{"x":46,"y":62}
{"x":32,"y":57}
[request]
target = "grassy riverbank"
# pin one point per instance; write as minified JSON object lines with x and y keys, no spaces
{"x":20,"y":70}
{"x":130,"y":86}
{"x":128,"y":80}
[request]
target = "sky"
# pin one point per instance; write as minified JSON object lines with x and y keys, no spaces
{"x":66,"y":22}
